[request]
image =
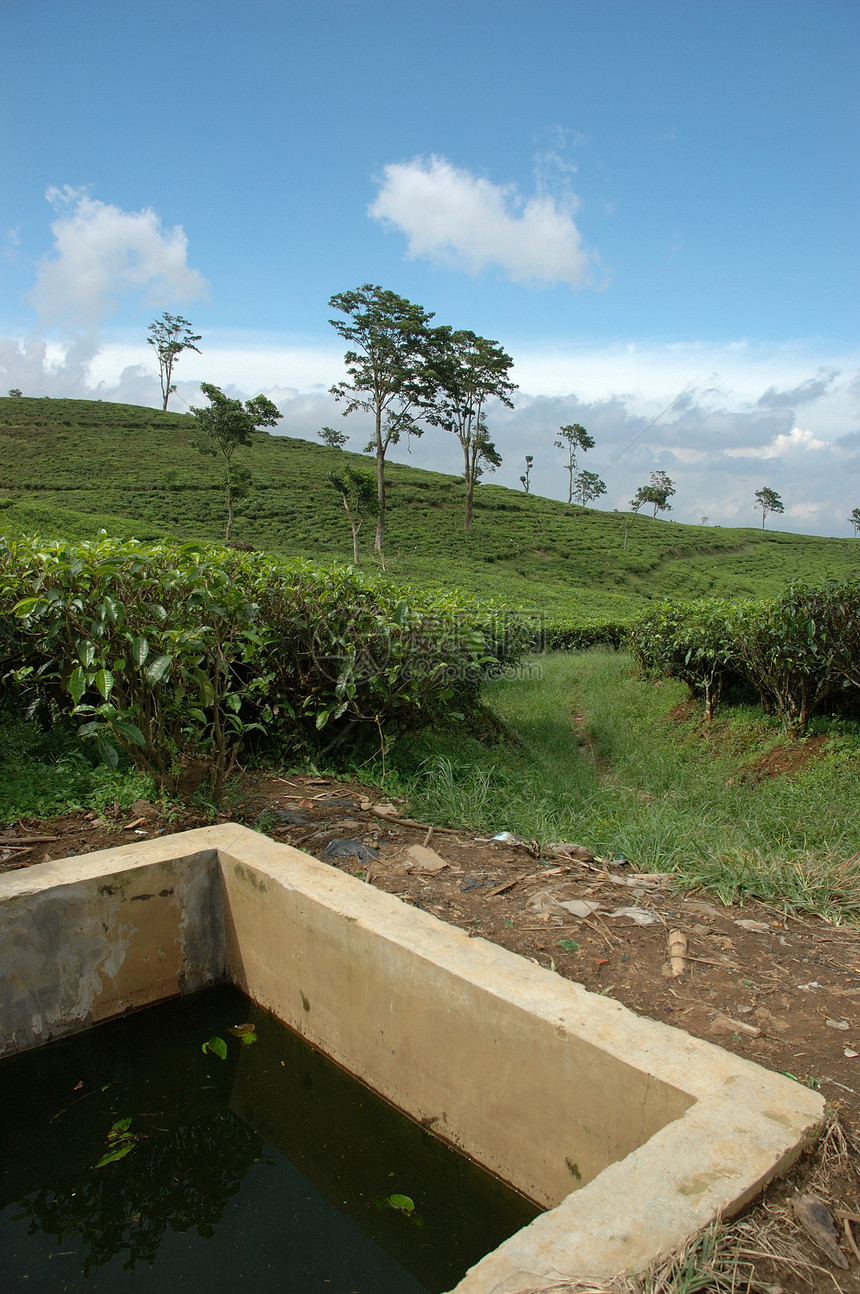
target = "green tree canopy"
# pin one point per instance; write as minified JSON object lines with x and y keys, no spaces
{"x":465,"y":372}
{"x":769,"y":501}
{"x":572,"y":438}
{"x":223,"y":428}
{"x":170,"y":336}
{"x":358,"y":495}
{"x":588,"y":486}
{"x":657,"y":493}
{"x":387,"y":374}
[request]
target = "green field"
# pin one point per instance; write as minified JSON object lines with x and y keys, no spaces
{"x":72,"y":467}
{"x":574,"y":746}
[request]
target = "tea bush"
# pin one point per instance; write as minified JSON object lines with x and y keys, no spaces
{"x":181,"y":653}
{"x":800,"y":651}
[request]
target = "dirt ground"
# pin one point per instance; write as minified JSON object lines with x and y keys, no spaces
{"x":780,"y":990}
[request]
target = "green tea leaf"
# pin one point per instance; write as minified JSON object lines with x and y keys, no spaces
{"x":139,"y":650}
{"x":77,"y":684}
{"x":158,"y":670}
{"x":118,"y":1153}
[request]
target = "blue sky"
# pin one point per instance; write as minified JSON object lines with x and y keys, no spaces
{"x":637,"y":198}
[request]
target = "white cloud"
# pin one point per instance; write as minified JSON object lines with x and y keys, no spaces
{"x":102,"y":253}
{"x":796,"y":440}
{"x":456,"y":218}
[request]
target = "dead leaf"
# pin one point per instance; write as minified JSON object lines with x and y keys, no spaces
{"x":544,"y":903}
{"x":760,"y":926}
{"x":561,"y":849}
{"x":427,"y":860}
{"x":816,"y":1221}
{"x":580,"y":907}
{"x":385,"y":810}
{"x":641,"y":916}
{"x":725,"y":1024}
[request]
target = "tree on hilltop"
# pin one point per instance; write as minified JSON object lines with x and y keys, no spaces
{"x":854,"y":520}
{"x":588,"y":486}
{"x":386,"y":370}
{"x":769,"y":501}
{"x":526,"y":479}
{"x":334,"y":439}
{"x":572,"y":438}
{"x":170,"y":336}
{"x":225,"y":427}
{"x":465,"y":372}
{"x":658,"y":493}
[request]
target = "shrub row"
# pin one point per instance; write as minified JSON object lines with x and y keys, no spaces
{"x":799,"y":651}
{"x":183,"y":653}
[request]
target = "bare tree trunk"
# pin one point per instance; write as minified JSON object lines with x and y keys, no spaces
{"x":470,"y":487}
{"x":229,"y":529}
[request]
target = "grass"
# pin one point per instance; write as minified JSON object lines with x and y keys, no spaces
{"x":595,"y":759}
{"x":45,"y":773}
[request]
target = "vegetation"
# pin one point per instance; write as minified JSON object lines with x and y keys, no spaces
{"x":358,"y":495}
{"x":74,"y":467}
{"x":169,"y":656}
{"x":658,"y":493}
{"x":595,"y":756}
{"x":223,"y":428}
{"x":797,"y":653}
{"x":170,"y":336}
{"x":572,"y":439}
{"x":467,"y":371}
{"x":179,"y":655}
{"x":386,"y":366}
{"x":768,"y":501}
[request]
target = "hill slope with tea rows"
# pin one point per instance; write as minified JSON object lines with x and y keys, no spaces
{"x":72,"y":467}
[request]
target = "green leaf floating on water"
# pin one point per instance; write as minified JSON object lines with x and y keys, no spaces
{"x":401,"y":1202}
{"x":247,"y":1038}
{"x":116,"y":1153}
{"x":217,"y":1046}
{"x":120,"y":1142}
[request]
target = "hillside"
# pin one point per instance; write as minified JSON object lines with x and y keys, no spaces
{"x":71,"y":467}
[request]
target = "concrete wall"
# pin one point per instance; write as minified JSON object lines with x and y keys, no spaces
{"x":454,"y":1030}
{"x":638,"y":1133}
{"x":86,"y":939}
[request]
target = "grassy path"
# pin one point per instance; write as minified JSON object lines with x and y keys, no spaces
{"x":603,"y":759}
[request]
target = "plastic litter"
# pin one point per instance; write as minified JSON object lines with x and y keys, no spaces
{"x":507,"y":837}
{"x":349,"y":849}
{"x":291,"y":817}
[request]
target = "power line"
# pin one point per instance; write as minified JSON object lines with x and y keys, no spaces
{"x":651,"y":423}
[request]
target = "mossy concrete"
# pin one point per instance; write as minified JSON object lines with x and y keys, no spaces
{"x":632,"y":1134}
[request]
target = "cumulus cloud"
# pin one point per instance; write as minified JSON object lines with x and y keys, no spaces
{"x":455,"y":218}
{"x":102,"y":253}
{"x":785,"y":443}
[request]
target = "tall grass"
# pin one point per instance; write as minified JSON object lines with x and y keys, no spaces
{"x":596,"y":758}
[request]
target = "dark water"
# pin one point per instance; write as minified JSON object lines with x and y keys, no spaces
{"x":271,"y":1169}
